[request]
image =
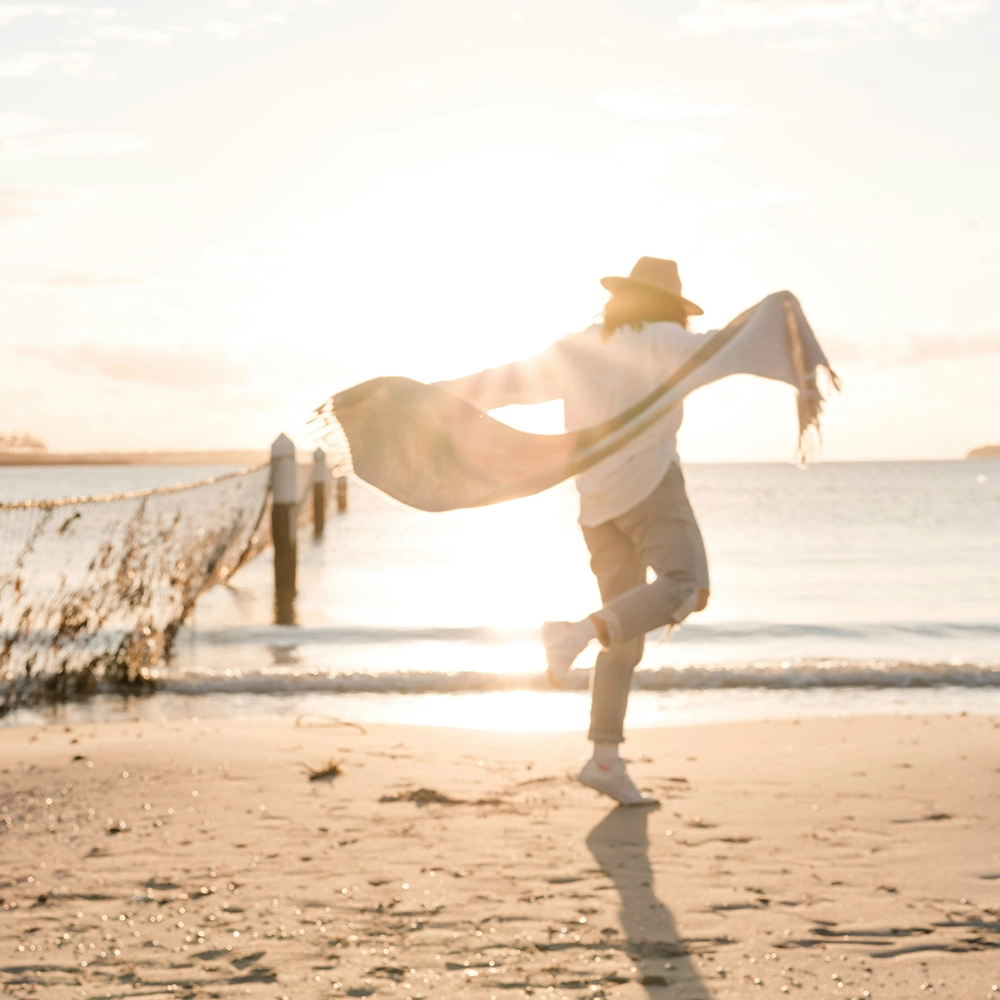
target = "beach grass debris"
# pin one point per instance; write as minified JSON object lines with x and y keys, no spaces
{"x":654,"y":980}
{"x":160,"y":883}
{"x":422,"y":797}
{"x":325,"y":772}
{"x":431,"y":796}
{"x":700,"y":824}
{"x":931,"y":818}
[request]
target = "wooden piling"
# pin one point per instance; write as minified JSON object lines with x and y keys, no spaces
{"x":319,"y":481}
{"x":284,"y":522}
{"x":341,"y":494}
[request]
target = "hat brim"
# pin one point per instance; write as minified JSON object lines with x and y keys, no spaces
{"x":614,"y":285}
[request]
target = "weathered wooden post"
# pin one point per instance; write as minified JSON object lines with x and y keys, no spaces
{"x":284,"y":521}
{"x":319,"y":479}
{"x":341,"y":494}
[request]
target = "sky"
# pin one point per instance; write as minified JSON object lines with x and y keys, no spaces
{"x":216,"y":213}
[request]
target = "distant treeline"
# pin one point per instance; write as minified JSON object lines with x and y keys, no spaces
{"x":241,"y":458}
{"x":20,"y":444}
{"x":987,"y":451}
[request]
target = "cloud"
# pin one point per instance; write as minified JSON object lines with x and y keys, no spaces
{"x":843,"y":350}
{"x":249,"y":19}
{"x":9,"y":11}
{"x":225,"y":31}
{"x":29,"y":63}
{"x":146,"y":37}
{"x":948,"y":347}
{"x":13,"y":124}
{"x":22,"y":201}
{"x":85,"y":279}
{"x":169,"y":367}
{"x":23,"y":137}
{"x":772,"y":194}
{"x":924,"y":16}
{"x":631,"y":103}
{"x":228,"y":31}
{"x":29,"y":147}
{"x":916,"y":349}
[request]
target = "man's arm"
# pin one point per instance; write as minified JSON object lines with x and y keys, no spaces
{"x":675,"y":344}
{"x":534,"y":380}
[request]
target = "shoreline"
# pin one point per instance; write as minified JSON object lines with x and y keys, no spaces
{"x":535,"y":711}
{"x":196,"y":858}
{"x":249,"y":456}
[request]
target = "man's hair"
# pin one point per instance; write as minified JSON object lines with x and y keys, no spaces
{"x":635,"y":307}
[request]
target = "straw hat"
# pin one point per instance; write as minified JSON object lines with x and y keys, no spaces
{"x":654,"y":274}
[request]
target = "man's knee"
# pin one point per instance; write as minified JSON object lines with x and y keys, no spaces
{"x":695,"y":600}
{"x":634,"y":653}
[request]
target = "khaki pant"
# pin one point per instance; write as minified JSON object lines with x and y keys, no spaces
{"x":659,"y":532}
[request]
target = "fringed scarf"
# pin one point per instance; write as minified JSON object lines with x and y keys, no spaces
{"x":433,"y":451}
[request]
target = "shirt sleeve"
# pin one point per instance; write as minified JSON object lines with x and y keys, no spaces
{"x":537,"y":379}
{"x":675,"y":345}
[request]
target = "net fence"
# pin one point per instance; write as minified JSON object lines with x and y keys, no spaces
{"x":93,"y":590}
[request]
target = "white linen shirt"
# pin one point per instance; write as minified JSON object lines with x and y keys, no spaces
{"x":597,"y":380}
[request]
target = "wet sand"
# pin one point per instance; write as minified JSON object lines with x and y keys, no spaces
{"x":828,"y":858}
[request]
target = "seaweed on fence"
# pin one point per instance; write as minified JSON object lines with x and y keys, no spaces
{"x":93,"y":591}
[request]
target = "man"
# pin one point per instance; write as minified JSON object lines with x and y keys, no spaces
{"x":634,"y":510}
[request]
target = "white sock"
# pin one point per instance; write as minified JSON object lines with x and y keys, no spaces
{"x":586,"y":629}
{"x":606,"y":754}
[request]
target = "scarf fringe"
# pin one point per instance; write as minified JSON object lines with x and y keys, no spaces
{"x":328,"y":432}
{"x":809,"y":398}
{"x":810,"y":402}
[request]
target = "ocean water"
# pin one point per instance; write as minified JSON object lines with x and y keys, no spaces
{"x":845,"y":587}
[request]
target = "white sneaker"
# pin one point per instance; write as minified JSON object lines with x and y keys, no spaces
{"x":564,"y":642}
{"x":613,"y":780}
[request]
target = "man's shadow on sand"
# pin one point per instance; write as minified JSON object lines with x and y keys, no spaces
{"x":620,"y":846}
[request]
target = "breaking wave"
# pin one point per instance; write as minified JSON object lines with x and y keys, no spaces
{"x":748,"y":631}
{"x":786,"y":675}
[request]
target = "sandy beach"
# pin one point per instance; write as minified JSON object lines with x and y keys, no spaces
{"x":826,"y":858}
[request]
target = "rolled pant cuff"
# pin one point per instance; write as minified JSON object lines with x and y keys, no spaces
{"x":612,"y":623}
{"x":604,"y":738}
